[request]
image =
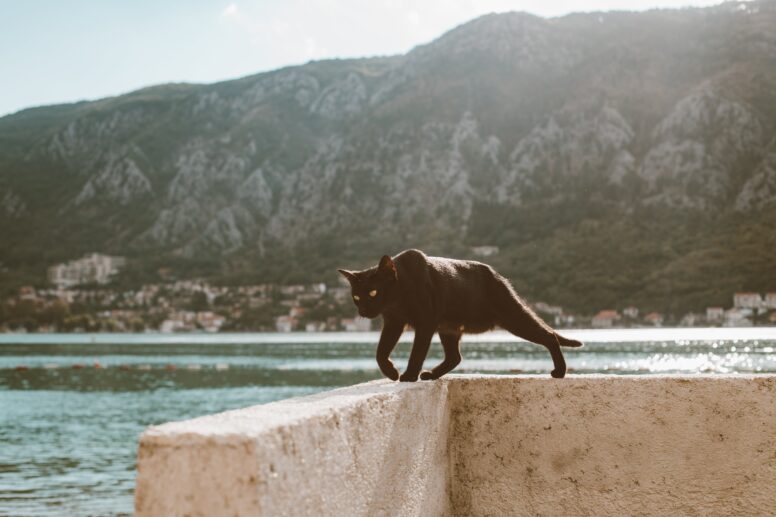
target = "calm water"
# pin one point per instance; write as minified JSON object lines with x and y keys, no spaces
{"x":69,"y":429}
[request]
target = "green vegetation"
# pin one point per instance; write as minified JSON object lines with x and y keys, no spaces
{"x":617,"y":163}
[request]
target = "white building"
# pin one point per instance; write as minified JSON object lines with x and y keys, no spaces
{"x":747,"y":300}
{"x":290,"y":290}
{"x":631,"y":312}
{"x":714,"y":314}
{"x":27,"y":293}
{"x":736,"y":318}
{"x":357,"y":324}
{"x":309,"y":297}
{"x":564,"y":320}
{"x":691,"y":319}
{"x":654,"y":318}
{"x":770,"y":300}
{"x":93,"y":268}
{"x":546,"y":308}
{"x":485,"y":251}
{"x":605,"y":319}
{"x":319,"y":288}
{"x":171,"y":325}
{"x":210,"y":321}
{"x":315,"y":326}
{"x":284,"y":323}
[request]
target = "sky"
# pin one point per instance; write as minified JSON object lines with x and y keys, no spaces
{"x":54,"y":51}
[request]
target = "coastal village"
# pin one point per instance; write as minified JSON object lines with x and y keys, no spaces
{"x":80,"y":298}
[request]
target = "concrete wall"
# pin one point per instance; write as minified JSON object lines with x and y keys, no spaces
{"x":613,"y":446}
{"x":477,"y":445}
{"x":374,"y":449}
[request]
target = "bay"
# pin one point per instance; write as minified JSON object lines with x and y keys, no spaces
{"x":72,"y":406}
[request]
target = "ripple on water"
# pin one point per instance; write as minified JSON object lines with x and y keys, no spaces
{"x":69,"y":435}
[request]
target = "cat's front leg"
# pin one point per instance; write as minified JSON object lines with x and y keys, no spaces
{"x":420,"y":346}
{"x":390,"y":335}
{"x":451,"y":346}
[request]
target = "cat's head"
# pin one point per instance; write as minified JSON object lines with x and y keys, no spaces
{"x":372,"y":289}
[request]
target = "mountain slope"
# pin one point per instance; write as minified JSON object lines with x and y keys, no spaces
{"x":613,"y":157}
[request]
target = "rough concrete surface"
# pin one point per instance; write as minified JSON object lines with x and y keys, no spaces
{"x":374,"y":449}
{"x":600,"y":445}
{"x":477,"y":445}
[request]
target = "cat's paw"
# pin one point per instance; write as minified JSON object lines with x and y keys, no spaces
{"x":408,"y":377}
{"x":427,"y":375}
{"x":389,"y":370}
{"x":558,"y":373}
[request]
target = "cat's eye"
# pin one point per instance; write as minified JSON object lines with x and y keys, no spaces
{"x":373,"y":293}
{"x":356,"y":297}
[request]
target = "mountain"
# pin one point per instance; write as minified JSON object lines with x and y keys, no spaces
{"x":615,"y":158}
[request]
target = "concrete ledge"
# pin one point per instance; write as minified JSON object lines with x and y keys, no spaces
{"x":477,"y":445}
{"x":374,"y":449}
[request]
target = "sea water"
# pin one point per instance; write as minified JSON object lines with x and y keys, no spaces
{"x":72,"y":406}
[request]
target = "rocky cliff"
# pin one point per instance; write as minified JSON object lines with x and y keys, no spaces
{"x":613,"y":157}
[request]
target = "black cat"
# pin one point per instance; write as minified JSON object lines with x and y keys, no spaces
{"x":448,"y":296}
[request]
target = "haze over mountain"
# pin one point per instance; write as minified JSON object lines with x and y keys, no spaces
{"x":615,"y":159}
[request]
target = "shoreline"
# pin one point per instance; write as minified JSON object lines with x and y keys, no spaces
{"x":498,"y":336}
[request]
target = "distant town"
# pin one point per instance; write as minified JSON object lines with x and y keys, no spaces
{"x":81,"y":298}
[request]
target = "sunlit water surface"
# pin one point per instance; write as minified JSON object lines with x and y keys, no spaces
{"x":72,"y":406}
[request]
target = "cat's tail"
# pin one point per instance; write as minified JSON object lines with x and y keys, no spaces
{"x":571,"y":343}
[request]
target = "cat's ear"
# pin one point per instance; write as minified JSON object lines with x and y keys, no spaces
{"x":387,"y":266}
{"x":350,"y":275}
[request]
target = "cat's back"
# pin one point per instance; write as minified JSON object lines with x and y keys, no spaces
{"x":411,"y":262}
{"x":465,"y":272}
{"x":464,"y":291}
{"x":443,"y":271}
